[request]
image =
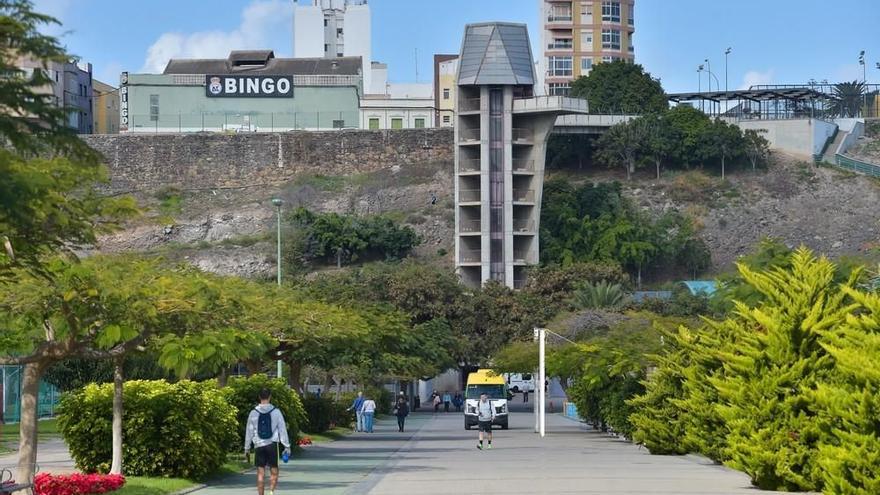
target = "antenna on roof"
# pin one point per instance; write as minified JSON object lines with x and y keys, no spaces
{"x":417,"y":64}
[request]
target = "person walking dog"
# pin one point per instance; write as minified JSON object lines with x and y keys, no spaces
{"x":266,"y":430}
{"x":357,"y":406}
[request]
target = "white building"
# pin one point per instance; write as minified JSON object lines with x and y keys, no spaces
{"x":334,"y":28}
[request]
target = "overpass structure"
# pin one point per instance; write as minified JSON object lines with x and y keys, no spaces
{"x":501,"y":136}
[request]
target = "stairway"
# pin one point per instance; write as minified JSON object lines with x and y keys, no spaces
{"x":829,"y":157}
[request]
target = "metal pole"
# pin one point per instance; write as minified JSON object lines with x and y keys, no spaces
{"x":277,"y":203}
{"x":542,"y":334}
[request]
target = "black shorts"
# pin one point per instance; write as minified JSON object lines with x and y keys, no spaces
{"x":266,"y":456}
{"x":485,"y":426}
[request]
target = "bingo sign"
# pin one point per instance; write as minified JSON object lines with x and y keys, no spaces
{"x":123,"y":102}
{"x":248,"y":86}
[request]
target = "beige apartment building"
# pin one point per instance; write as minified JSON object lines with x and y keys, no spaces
{"x":578,"y":34}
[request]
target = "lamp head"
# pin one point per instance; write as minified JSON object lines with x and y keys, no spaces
{"x":277,"y":202}
{"x":700,"y":68}
{"x":727,"y":52}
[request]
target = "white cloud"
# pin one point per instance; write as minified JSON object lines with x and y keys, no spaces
{"x":755,"y":77}
{"x":259,"y":20}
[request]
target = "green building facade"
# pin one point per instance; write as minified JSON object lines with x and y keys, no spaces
{"x":251,"y":91}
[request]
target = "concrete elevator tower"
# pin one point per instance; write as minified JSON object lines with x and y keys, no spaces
{"x":501,"y":136}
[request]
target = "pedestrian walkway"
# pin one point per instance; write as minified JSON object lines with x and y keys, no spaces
{"x":441,"y":458}
{"x":331,"y":468}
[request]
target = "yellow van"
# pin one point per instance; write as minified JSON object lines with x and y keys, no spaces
{"x":487,"y":382}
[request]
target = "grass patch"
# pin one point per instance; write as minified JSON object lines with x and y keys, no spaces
{"x":329,"y":436}
{"x":245,"y":240}
{"x":170,"y":201}
{"x":138,"y":485}
{"x":46,"y":428}
{"x":326,"y":183}
{"x":235,"y":464}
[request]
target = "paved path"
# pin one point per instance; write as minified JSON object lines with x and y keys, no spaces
{"x":52,"y":456}
{"x":441,"y":458}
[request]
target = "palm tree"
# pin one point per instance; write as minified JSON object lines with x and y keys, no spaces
{"x":847,"y":99}
{"x":600,"y":295}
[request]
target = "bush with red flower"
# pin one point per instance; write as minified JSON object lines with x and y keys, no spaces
{"x":303,"y":441}
{"x":77,"y":484}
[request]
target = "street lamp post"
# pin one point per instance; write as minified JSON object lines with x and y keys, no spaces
{"x":726,"y":53}
{"x":709,"y":79}
{"x":864,"y":79}
{"x":700,"y":84}
{"x":278,"y":202}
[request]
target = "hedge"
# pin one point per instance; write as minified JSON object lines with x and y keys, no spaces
{"x":324,"y":413}
{"x":181,"y":430}
{"x":243,"y":393}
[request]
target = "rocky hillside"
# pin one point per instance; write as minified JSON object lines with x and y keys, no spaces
{"x":229,"y":228}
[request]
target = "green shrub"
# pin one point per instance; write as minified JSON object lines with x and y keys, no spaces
{"x":600,"y":295}
{"x":319,"y":414}
{"x":180,"y":430}
{"x":243,"y":393}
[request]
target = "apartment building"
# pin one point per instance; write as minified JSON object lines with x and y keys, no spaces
{"x":578,"y":34}
{"x":71,"y":89}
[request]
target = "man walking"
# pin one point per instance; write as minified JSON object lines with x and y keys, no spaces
{"x":401,"y":410}
{"x":485,"y":416}
{"x":266,"y":429}
{"x":358,"y":407}
{"x":447,"y":399}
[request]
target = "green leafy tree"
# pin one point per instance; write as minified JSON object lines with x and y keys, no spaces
{"x":691,"y":126}
{"x":848,"y":99}
{"x":620,"y":87}
{"x":622,"y":145}
{"x":660,"y":139}
{"x":757,"y":148}
{"x":727,"y":140}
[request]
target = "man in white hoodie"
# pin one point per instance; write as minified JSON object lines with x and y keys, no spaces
{"x":266,"y":429}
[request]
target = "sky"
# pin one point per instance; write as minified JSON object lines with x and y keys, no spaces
{"x":771,"y":41}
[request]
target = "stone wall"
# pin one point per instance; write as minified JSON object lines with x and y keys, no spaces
{"x":213,"y":161}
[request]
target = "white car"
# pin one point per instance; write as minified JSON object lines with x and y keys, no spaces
{"x":520,"y":382}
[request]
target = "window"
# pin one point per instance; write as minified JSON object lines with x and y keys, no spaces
{"x":339,"y":32}
{"x":586,"y":40}
{"x":374,"y":124}
{"x":446,"y":119}
{"x":338,"y":124}
{"x":559,"y":89}
{"x":325,"y":22}
{"x":397,"y":123}
{"x":611,"y":39}
{"x":560,"y":13}
{"x":445,"y":93}
{"x":586,"y":64}
{"x":610,"y":11}
{"x":339,"y":54}
{"x":586,"y":13}
{"x":611,"y":59}
{"x":154,"y":108}
{"x":326,"y":47}
{"x":420,"y":123}
{"x":560,"y":66}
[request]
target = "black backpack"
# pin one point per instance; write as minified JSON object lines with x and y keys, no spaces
{"x":264,"y":424}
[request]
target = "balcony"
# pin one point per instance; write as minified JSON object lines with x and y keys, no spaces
{"x":519,"y":283}
{"x":522,"y":134}
{"x":559,"y":18}
{"x":523,"y":195}
{"x":523,"y":225}
{"x":469,"y":196}
{"x":522,"y":165}
{"x":561,"y":45}
{"x":520,"y":255}
{"x":469,"y":226}
{"x":468,"y":105}
{"x":469,"y":256}
{"x":471,"y":136}
{"x":469,"y":166}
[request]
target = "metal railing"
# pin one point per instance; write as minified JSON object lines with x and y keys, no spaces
{"x":523,"y":165}
{"x":469,"y":226}
{"x":559,"y":18}
{"x":469,"y":165}
{"x":240,"y":122}
{"x":522,"y":134}
{"x":523,"y":225}
{"x":857,"y":166}
{"x":469,"y":135}
{"x":469,"y":256}
{"x":469,"y":105}
{"x":469,"y":196}
{"x":560,"y":46}
{"x":524,"y":195}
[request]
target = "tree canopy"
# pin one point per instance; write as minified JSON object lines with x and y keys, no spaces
{"x":620,"y":87}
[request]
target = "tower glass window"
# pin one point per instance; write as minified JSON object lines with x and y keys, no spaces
{"x":610,"y":11}
{"x":611,"y":39}
{"x":560,"y":66}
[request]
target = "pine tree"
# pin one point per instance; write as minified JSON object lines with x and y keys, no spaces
{"x":849,"y":402}
{"x":771,"y":365}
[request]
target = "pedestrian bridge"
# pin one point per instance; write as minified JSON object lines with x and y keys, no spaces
{"x":588,"y":123}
